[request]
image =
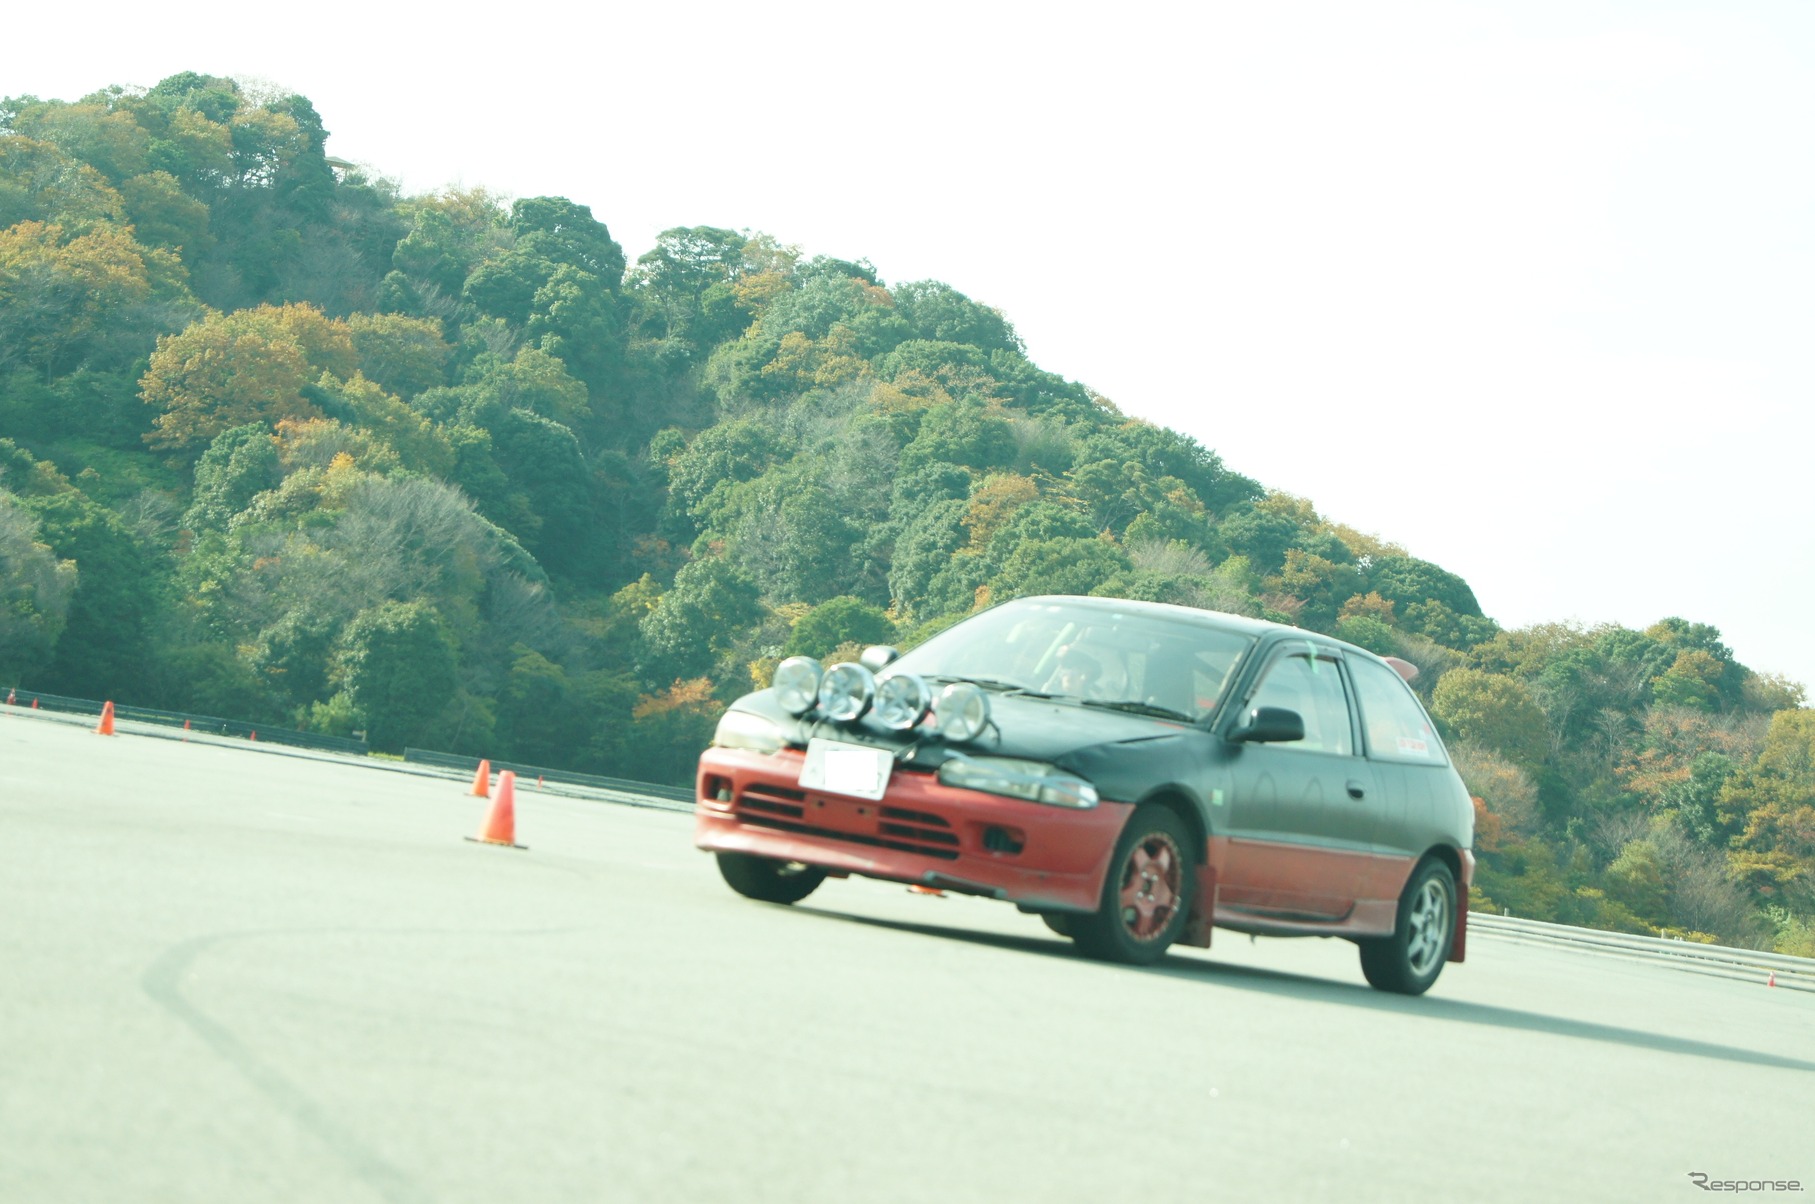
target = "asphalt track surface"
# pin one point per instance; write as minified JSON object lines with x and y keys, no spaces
{"x":229,"y":976}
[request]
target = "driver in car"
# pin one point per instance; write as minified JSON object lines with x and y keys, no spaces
{"x":1077,"y":673}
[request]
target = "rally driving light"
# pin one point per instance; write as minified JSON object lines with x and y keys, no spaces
{"x":963,"y":711}
{"x":846,"y":692}
{"x":797,"y":684}
{"x":1035,"y":781}
{"x":741,"y":729}
{"x":902,"y":701}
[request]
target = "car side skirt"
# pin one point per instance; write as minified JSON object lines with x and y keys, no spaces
{"x":1283,"y":899}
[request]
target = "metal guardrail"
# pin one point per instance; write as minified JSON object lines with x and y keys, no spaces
{"x":1722,"y":961}
{"x":565,"y":777}
{"x":206,"y":724}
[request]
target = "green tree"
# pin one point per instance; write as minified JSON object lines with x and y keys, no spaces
{"x":404,"y":355}
{"x":398,"y":667}
{"x":1263,"y":536}
{"x":449,"y":235}
{"x":103,"y":651}
{"x":1406,"y":580}
{"x":941,"y":313}
{"x":683,"y":284}
{"x":1066,"y":565}
{"x":239,"y":464}
{"x":163,"y":215}
{"x":842,"y":620}
{"x":1693,"y":680}
{"x":35,"y":589}
{"x":962,"y":432}
{"x":699,"y":619}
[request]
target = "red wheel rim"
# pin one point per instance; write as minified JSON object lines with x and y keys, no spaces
{"x":1152,"y":879}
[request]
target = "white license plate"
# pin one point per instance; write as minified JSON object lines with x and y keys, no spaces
{"x":851,"y":769}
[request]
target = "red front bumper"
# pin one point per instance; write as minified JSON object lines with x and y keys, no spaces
{"x":920,"y":831}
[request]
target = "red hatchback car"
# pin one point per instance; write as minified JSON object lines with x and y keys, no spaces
{"x":1132,"y":772}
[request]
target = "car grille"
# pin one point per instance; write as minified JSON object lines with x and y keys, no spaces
{"x":780,"y":807}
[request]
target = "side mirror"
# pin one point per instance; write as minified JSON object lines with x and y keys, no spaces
{"x":878,"y":657}
{"x":1270,"y":725}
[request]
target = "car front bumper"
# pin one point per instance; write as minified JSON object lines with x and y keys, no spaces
{"x":1040,"y":856}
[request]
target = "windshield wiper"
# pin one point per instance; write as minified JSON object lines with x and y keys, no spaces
{"x":1132,"y":707}
{"x":988,"y":683}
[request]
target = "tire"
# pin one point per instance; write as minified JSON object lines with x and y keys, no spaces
{"x":1058,"y":921}
{"x":768,"y":880}
{"x":1146,"y":894}
{"x":1408,"y":962}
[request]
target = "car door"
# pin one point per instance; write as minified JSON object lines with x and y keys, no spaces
{"x":1409,"y":764}
{"x":1301,"y":826}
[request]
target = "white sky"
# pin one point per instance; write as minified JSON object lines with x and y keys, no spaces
{"x":1518,"y":285}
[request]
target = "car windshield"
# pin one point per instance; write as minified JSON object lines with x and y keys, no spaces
{"x":1128,"y":659}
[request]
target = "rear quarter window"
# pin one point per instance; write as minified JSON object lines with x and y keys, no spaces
{"x":1392,"y":721}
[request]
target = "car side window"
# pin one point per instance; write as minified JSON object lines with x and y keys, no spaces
{"x":1396,"y":727}
{"x":1311,"y":685}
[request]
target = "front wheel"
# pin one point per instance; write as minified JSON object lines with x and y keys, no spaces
{"x":1146,"y":897}
{"x":769,"y":880}
{"x":1408,"y":962}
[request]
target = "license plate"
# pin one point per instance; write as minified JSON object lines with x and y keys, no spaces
{"x":856,"y":770}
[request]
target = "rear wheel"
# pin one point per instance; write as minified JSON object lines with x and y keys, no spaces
{"x":767,"y":879}
{"x":1146,"y":897}
{"x":1408,"y":962}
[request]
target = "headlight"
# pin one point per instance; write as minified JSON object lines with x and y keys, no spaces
{"x":846,"y":691}
{"x":903,"y":701}
{"x":797,"y":684}
{"x":1035,"y":781}
{"x":963,"y":710}
{"x":741,"y":729}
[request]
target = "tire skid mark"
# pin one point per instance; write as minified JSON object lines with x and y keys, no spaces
{"x":162,"y":982}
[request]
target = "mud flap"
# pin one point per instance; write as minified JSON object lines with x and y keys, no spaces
{"x":1458,"y":946}
{"x":1203,"y":910}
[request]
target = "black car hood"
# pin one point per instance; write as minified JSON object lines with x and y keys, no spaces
{"x":1038,"y":729}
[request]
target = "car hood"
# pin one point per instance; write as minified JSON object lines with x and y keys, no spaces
{"x":1061,"y":733}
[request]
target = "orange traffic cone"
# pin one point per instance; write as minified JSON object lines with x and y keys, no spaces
{"x":1771,"y":981}
{"x":501,"y":823}
{"x":105,"y":727}
{"x":482,"y":780}
{"x":11,"y":698}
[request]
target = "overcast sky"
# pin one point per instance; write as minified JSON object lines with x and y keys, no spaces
{"x":1525,"y":287}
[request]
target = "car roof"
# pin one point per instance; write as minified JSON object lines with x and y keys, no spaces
{"x":1259,"y":628}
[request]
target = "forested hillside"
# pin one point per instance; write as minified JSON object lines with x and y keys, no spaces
{"x":279,"y":443}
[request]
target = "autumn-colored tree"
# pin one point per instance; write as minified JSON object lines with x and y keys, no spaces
{"x":68,"y":302}
{"x":993,"y":502}
{"x":1773,"y":805}
{"x":420,"y":447}
{"x":1495,"y":711}
{"x":230,"y":369}
{"x":39,"y":183}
